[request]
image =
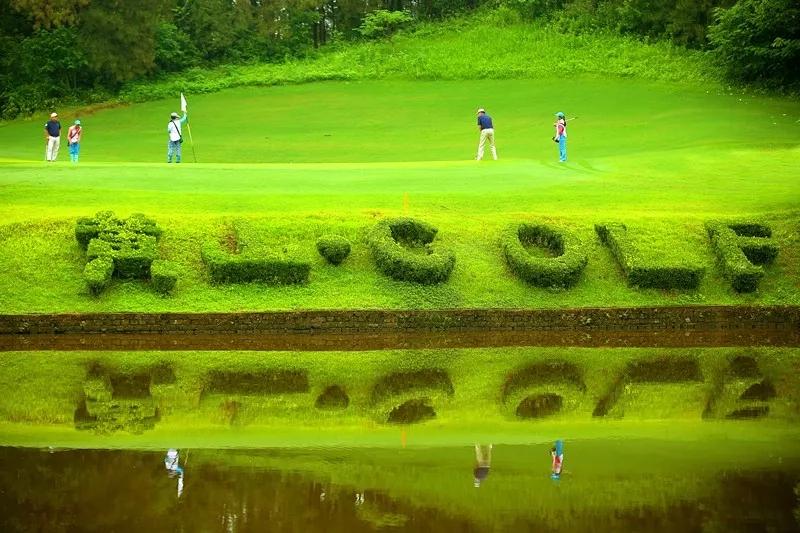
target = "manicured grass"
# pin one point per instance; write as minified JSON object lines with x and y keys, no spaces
{"x":195,"y":415}
{"x":659,"y":158}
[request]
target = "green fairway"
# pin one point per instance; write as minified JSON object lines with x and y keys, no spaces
{"x":393,"y":121}
{"x":660,"y":158}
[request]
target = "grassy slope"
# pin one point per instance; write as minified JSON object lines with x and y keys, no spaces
{"x":475,"y":411}
{"x":457,"y":49}
{"x":657,"y":157}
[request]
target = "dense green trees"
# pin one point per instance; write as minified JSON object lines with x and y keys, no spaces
{"x":758,"y":40}
{"x":56,"y":49}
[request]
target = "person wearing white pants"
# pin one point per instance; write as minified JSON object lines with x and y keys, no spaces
{"x":52,"y":134}
{"x":487,"y":134}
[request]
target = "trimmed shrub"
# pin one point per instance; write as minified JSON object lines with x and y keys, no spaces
{"x":646,"y":273}
{"x":740,"y":248}
{"x":163,"y":275}
{"x":130,"y":244}
{"x":749,"y":412}
{"x":86,"y":229}
{"x":411,"y":412}
{"x":263,"y":382}
{"x":539,"y":405}
{"x":162,"y":374}
{"x":224,"y":267}
{"x":398,"y":383}
{"x":333,"y":248}
{"x":332,"y":398}
{"x":547,"y":372}
{"x":132,"y":253}
{"x":666,"y":369}
{"x":404,"y":250}
{"x":105,"y":224}
{"x":562,"y":270}
{"x":97,"y":274}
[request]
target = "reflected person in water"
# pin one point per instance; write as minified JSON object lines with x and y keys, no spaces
{"x":557,"y":455}
{"x":483,"y":462}
{"x":172,"y":464}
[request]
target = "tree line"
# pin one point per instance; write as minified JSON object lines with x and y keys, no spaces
{"x":52,"y":50}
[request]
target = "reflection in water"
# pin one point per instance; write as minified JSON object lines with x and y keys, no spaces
{"x":557,"y":454}
{"x":407,"y":490}
{"x":483,"y":462}
{"x":173,"y":466}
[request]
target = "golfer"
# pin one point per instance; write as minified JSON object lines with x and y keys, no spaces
{"x":561,"y":136}
{"x":175,"y":138}
{"x":52,"y":135}
{"x":486,"y":128}
{"x":74,"y":134}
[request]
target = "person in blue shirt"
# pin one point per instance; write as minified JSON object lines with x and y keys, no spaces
{"x":52,"y":135}
{"x":486,"y":128}
{"x":174,"y":136}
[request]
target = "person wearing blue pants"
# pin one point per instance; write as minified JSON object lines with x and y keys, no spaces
{"x":561,"y":136}
{"x":175,"y":138}
{"x":74,"y":135}
{"x":557,"y":455}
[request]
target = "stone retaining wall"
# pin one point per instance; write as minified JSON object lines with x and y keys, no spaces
{"x":336,"y":322}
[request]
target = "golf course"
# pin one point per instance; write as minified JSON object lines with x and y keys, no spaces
{"x":659,"y":158}
{"x":636,"y":303}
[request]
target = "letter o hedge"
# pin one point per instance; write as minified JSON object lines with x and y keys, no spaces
{"x":392,"y":242}
{"x":564,"y":270}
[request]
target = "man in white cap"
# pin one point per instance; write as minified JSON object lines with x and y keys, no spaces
{"x":52,"y":135}
{"x":175,"y":138}
{"x":487,"y":133}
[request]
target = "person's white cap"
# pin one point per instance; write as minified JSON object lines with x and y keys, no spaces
{"x":481,"y":110}
{"x":53,"y":114}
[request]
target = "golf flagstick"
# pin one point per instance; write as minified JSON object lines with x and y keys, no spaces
{"x":191,"y":141}
{"x":188,"y":127}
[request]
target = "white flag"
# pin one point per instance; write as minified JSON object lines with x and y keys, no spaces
{"x":183,"y":103}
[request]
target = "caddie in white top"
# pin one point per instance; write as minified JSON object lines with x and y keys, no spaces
{"x":175,"y":136}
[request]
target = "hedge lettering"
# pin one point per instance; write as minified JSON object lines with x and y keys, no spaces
{"x":741,"y":247}
{"x":643,"y":273}
{"x":562,"y":270}
{"x":404,"y":249}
